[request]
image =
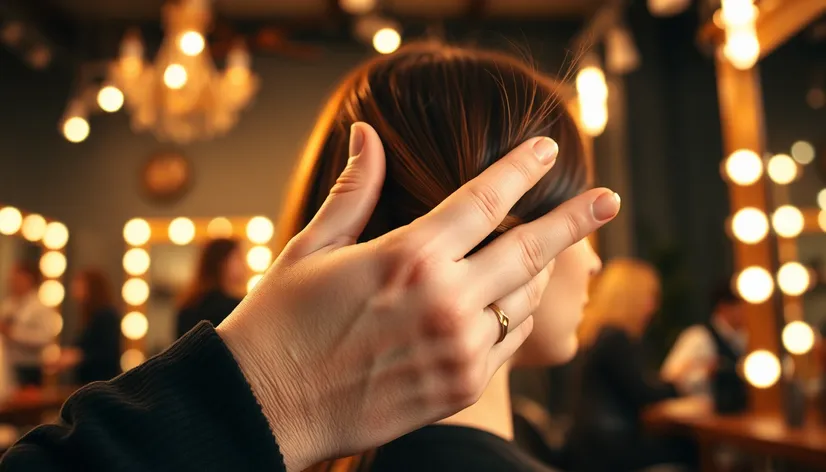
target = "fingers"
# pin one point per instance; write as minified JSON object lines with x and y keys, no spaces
{"x":517,"y":256}
{"x":508,"y":347}
{"x":352,"y":199}
{"x":518,"y":306}
{"x":471,"y":213}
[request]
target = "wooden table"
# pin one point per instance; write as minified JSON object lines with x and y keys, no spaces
{"x":27,"y":406}
{"x":766,"y":436}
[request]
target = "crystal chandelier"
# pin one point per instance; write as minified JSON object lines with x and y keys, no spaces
{"x":182,"y":97}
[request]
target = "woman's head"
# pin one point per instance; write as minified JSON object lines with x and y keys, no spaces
{"x":92,"y":291}
{"x":625,"y":295}
{"x":444,"y":115}
{"x":220,"y":267}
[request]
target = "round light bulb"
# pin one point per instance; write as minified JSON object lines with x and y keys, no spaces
{"x":259,"y":258}
{"x":260,"y":230}
{"x":136,"y":261}
{"x":762,"y":369}
{"x":53,"y":264}
{"x":253,"y":281}
{"x":386,"y":40}
{"x":782,"y":169}
{"x":134,"y":325}
{"x":34,"y":227}
{"x":56,"y":236}
{"x":135,"y":292}
{"x":131,"y":358}
{"x":191,"y":43}
{"x":787,"y":221}
{"x":219,"y":228}
{"x":742,"y":48}
{"x":793,"y":278}
{"x":803,"y":152}
{"x":175,"y":76}
{"x":750,"y":225}
{"x":755,"y":284}
{"x":110,"y":99}
{"x":76,"y":129}
{"x":798,"y":337}
{"x":744,"y":167}
{"x":136,"y":232}
{"x":10,"y":220}
{"x":181,"y":231}
{"x":51,"y":293}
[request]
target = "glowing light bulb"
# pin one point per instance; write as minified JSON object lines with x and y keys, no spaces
{"x":135,"y":292}
{"x":260,"y":230}
{"x":591,"y":85}
{"x":134,"y":325}
{"x":755,"y":284}
{"x":219,"y":228}
{"x":34,"y":227}
{"x":53,"y":264}
{"x":136,"y":261}
{"x":762,"y":369}
{"x":742,"y":48}
{"x":738,"y":13}
{"x":57,"y":235}
{"x":10,"y":220}
{"x":793,"y":278}
{"x":51,"y":293}
{"x":259,"y":258}
{"x":787,"y":221}
{"x":386,"y":40}
{"x":175,"y":76}
{"x":593,"y":118}
{"x":744,"y":167}
{"x":110,"y":99}
{"x":253,"y":281}
{"x":782,"y":169}
{"x":798,"y":337}
{"x":750,"y":225}
{"x":131,"y":359}
{"x":803,"y":152}
{"x":181,"y":231}
{"x":191,"y":43}
{"x":76,"y":129}
{"x":137,"y":232}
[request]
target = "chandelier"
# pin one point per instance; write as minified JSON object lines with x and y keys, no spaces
{"x":182,"y":96}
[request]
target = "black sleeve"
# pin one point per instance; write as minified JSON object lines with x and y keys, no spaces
{"x":187,"y":409}
{"x":622,"y":362}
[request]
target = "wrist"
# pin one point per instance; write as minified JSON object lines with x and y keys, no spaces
{"x":274,"y":381}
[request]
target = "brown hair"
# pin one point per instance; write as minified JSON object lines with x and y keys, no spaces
{"x":98,"y":293}
{"x":444,"y":114}
{"x":210,"y":272}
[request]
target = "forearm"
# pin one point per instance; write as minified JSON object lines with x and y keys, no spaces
{"x":187,"y":409}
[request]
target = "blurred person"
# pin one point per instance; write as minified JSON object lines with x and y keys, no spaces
{"x":96,"y":355}
{"x":26,"y":325}
{"x":703,"y":349}
{"x":212,"y":294}
{"x":607,"y":434}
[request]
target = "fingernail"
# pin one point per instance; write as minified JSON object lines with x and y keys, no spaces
{"x":545,"y":150}
{"x":606,"y":206}
{"x":356,"y":140}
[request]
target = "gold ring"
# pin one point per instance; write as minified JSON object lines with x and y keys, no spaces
{"x":503,"y":321}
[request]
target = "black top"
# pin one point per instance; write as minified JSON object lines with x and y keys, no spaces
{"x":214,"y":306}
{"x":612,"y":390}
{"x":188,"y":409}
{"x":448,"y":448}
{"x":100,"y":344}
{"x":725,"y":351}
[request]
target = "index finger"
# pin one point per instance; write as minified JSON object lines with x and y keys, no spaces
{"x":470,"y":214}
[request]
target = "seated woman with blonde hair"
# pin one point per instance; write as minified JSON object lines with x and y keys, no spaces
{"x":613,"y":387}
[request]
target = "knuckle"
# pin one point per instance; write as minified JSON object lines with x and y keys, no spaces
{"x":444,"y":318}
{"x":348,"y":181}
{"x":532,"y":252}
{"x":467,"y":387}
{"x":488,"y":201}
{"x":533,"y":292}
{"x":573,"y":228}
{"x":524,"y":170}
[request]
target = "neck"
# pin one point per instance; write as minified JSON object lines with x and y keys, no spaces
{"x":493,"y":412}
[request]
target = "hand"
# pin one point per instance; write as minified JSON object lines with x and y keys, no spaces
{"x":347,"y":346}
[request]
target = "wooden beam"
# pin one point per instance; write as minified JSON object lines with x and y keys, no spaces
{"x":778,"y":21}
{"x":741,"y":116}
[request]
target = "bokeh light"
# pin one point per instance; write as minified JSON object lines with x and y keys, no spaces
{"x":219,"y":228}
{"x":51,"y":293}
{"x":134,"y":325}
{"x":782,"y":169}
{"x":136,"y":261}
{"x":798,"y":337}
{"x":137,"y":232}
{"x":181,"y":231}
{"x":803,"y":152}
{"x":135,"y":291}
{"x":750,"y":225}
{"x":52,"y":264}
{"x":10,"y":220}
{"x":259,"y":258}
{"x":793,"y":278}
{"x":34,"y":227}
{"x":260,"y":230}
{"x":755,"y":284}
{"x":56,"y":236}
{"x":744,"y":167}
{"x":131,"y":358}
{"x":787,"y":221}
{"x":762,"y":369}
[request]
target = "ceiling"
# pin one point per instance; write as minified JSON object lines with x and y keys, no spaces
{"x":138,"y":10}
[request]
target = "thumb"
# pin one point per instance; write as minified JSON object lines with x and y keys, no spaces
{"x":353,"y":198}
